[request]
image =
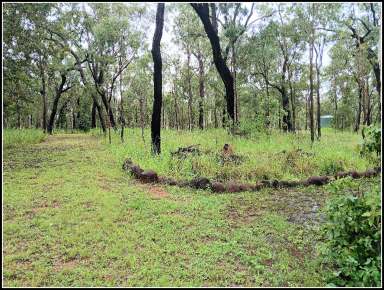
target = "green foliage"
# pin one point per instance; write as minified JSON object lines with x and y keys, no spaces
{"x":331,"y":167}
{"x":17,"y":137}
{"x":372,"y":140}
{"x":84,"y":120}
{"x":352,"y":237}
{"x":251,"y":127}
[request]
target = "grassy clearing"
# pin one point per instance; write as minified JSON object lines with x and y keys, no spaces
{"x":72,"y":217}
{"x":281,"y":156}
{"x":17,"y":137}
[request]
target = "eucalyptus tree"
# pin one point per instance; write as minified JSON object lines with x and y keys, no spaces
{"x":157,"y":80}
{"x":363,"y":24}
{"x":190,"y":34}
{"x":274,"y":50}
{"x":25,"y":57}
{"x":211,"y":30}
{"x":237,"y":19}
{"x":61,"y":81}
{"x":112,"y":45}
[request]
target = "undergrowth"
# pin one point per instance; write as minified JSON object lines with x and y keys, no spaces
{"x":264,"y":156}
{"x":19,"y":137}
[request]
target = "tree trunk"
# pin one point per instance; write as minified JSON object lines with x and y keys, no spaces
{"x":215,"y":116}
{"x":287,"y":123}
{"x":189,"y":77}
{"x":203,"y":12}
{"x":18,"y":115}
{"x":176,"y":107}
{"x":306,"y":112}
{"x":214,"y":18}
{"x":267,"y":112}
{"x":293,"y":106}
{"x":73,"y":120}
{"x":236,"y":99}
{"x":360,"y":84}
{"x":318,"y":102}
{"x":376,"y":70}
{"x":108,"y":108}
{"x":311,"y":48}
{"x":94,"y":97}
{"x":224,"y":119}
{"x":157,"y":80}
{"x":121,"y":106}
{"x":319,"y":61}
{"x":101,"y":116}
{"x":311,"y":119}
{"x":59,"y":91}
{"x":93,"y":120}
{"x":62,"y":117}
{"x":201,"y":91}
{"x":368,"y":106}
{"x":44,"y":97}
{"x":336,"y":117}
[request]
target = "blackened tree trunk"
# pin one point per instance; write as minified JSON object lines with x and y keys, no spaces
{"x":287,"y":119}
{"x":43,"y":93}
{"x":202,"y":11}
{"x":59,"y":91}
{"x":368,"y":105}
{"x":224,"y":119}
{"x":93,"y":120}
{"x":360,"y":84}
{"x":213,"y":17}
{"x":157,"y":80}
{"x":107,"y":105}
{"x":101,"y":116}
{"x":293,"y":106}
{"x":287,"y":124}
{"x":62,"y":117}
{"x":93,"y":94}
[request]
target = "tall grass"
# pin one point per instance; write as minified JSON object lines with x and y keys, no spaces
{"x":21,"y":137}
{"x":277,"y":155}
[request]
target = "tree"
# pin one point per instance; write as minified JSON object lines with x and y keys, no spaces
{"x":202,"y":11}
{"x":157,"y":80}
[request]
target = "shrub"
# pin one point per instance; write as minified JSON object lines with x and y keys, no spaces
{"x":251,"y":127}
{"x":371,"y":140}
{"x":331,"y":167}
{"x":352,"y":237}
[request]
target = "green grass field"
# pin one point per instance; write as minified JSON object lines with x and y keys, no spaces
{"x":73,"y":217}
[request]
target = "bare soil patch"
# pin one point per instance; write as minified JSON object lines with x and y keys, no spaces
{"x":157,"y":192}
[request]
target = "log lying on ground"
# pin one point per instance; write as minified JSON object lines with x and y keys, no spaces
{"x":150,"y":176}
{"x":185,"y":150}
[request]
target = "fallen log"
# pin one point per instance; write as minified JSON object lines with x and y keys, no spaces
{"x":150,"y":176}
{"x":185,"y":150}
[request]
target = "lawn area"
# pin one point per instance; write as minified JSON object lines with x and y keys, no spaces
{"x":73,"y":217}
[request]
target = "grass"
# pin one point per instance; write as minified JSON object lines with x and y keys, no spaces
{"x":73,"y":217}
{"x":18,"y":137}
{"x":265,"y":157}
